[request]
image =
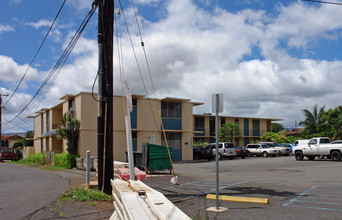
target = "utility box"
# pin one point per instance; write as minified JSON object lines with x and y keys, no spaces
{"x":156,"y":157}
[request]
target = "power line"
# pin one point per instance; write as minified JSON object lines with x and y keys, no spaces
{"x":324,"y":2}
{"x":58,"y":66}
{"x":34,"y":57}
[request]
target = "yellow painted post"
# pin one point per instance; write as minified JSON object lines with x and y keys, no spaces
{"x":239,"y":199}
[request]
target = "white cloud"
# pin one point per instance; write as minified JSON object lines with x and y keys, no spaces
{"x":10,"y":71}
{"x":81,"y":4}
{"x":6,"y":28}
{"x":39,"y":24}
{"x":194,"y":53}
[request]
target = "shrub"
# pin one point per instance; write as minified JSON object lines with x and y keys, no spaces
{"x":65,"y":160}
{"x":37,"y":158}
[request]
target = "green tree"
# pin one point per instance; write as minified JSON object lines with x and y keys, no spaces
{"x":228,"y":131}
{"x":313,"y":120}
{"x":69,"y":130}
{"x":275,"y":137}
{"x":332,"y":123}
{"x":276,"y":127}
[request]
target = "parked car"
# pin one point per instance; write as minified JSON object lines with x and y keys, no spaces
{"x":8,"y":154}
{"x":319,"y":147}
{"x":288,"y":145}
{"x":203,"y":153}
{"x":241,"y":152}
{"x":226,"y":149}
{"x":282,"y":150}
{"x":262,"y":150}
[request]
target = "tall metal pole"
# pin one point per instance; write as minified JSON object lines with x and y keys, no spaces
{"x":217,"y":150}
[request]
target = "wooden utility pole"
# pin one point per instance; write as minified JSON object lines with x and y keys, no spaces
{"x":1,"y":119}
{"x":105,"y":118}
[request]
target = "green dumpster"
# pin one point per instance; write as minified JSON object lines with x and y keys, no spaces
{"x":157,"y":157}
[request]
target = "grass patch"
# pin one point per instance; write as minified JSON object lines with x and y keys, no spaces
{"x":58,"y":212}
{"x":25,"y":163}
{"x":54,"y":168}
{"x":81,"y":195}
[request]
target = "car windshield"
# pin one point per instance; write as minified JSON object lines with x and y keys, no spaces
{"x":265,"y":146}
{"x":277,"y":144}
{"x":238,"y":147}
{"x":228,"y":145}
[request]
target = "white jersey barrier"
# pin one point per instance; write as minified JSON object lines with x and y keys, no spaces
{"x":135,"y":200}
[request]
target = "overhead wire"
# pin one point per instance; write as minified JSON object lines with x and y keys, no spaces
{"x":23,"y":120}
{"x":136,"y":60}
{"x":149,"y":71}
{"x":60,"y":63}
{"x":58,"y":66}
{"x":36,"y":54}
{"x":324,"y":2}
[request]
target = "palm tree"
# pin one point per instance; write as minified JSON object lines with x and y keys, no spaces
{"x":313,"y":120}
{"x":68,"y":130}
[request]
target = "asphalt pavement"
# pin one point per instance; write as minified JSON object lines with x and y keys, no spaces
{"x":295,"y":189}
{"x":24,"y":190}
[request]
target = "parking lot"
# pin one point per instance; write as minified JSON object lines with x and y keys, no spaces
{"x":295,"y":189}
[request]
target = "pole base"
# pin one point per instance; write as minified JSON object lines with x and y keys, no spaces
{"x":219,"y":209}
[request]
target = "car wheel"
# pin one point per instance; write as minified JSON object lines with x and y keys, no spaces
{"x":265,"y":154}
{"x":311,"y":157}
{"x":335,"y":155}
{"x":299,"y":155}
{"x":219,"y":157}
{"x":242,"y":157}
{"x":230,"y":158}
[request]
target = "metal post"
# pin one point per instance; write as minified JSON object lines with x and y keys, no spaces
{"x":217,"y":150}
{"x":88,"y":169}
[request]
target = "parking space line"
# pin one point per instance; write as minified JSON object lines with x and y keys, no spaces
{"x":197,"y":186}
{"x":313,"y":196}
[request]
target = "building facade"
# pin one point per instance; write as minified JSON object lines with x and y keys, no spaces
{"x":146,"y":117}
{"x":250,"y":129}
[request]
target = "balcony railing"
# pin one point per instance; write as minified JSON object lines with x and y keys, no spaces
{"x":201,"y":132}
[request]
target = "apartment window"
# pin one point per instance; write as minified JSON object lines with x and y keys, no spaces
{"x":236,"y":121}
{"x":199,"y":122}
{"x":212,"y":126}
{"x":256,"y":127}
{"x":171,"y":110}
{"x":246,"y":127}
{"x":41,"y":124}
{"x":47,"y":121}
{"x":71,"y":106}
{"x":223,"y":121}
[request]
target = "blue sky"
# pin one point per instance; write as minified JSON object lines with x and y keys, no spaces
{"x":269,"y":58}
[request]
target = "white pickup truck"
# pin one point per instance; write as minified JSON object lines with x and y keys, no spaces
{"x":318,"y":146}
